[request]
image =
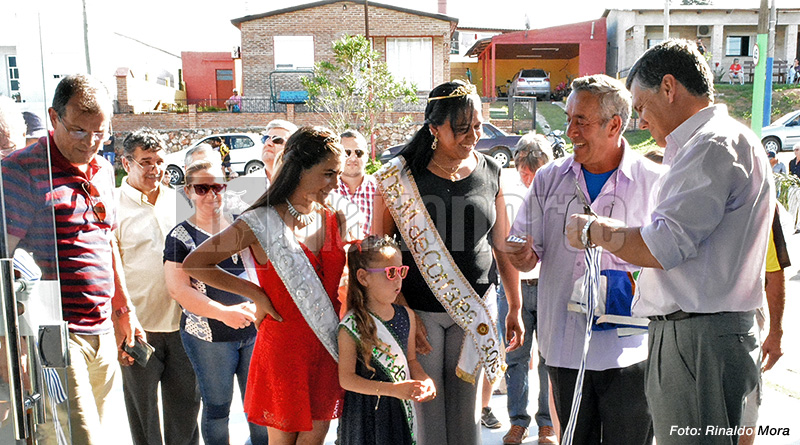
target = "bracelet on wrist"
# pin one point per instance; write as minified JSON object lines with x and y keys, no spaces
{"x":585,"y":235}
{"x":122,"y":311}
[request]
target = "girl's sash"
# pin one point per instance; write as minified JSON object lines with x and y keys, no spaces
{"x":391,"y":358}
{"x":297,"y":273}
{"x":471,"y":312}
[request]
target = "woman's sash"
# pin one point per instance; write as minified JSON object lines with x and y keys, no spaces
{"x":392,"y":360}
{"x":443,"y":277}
{"x":297,"y":274}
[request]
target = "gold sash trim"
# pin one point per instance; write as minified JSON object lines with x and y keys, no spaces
{"x":471,"y":312}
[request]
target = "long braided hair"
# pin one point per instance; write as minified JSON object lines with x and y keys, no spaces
{"x":361,"y":255}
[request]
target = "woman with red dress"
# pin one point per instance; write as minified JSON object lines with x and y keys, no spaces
{"x":296,"y":241}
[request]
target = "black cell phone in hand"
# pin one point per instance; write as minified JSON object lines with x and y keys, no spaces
{"x":141,"y":351}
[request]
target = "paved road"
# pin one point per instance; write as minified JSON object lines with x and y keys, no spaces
{"x":781,"y":402}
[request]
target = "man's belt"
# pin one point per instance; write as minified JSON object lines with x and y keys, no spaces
{"x":530,"y":281}
{"x":675,"y":316}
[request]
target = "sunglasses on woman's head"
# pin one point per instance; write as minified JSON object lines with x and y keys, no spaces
{"x":203,"y":189}
{"x":392,"y":272}
{"x":348,"y":152}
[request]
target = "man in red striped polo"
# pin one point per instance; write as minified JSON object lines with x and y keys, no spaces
{"x":84,"y":258}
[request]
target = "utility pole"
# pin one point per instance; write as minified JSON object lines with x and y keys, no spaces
{"x":366,"y":19}
{"x":666,"y":20}
{"x":86,"y":39}
{"x":760,"y":77}
{"x":773,"y":18}
{"x":369,"y":65}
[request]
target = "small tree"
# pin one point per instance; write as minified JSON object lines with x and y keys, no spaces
{"x":355,"y":87}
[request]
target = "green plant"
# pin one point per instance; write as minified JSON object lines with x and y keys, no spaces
{"x":209,"y":108}
{"x":355,"y":86}
{"x":119,"y":175}
{"x":372,"y":166}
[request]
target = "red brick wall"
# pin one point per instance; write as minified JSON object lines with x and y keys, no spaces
{"x":328,"y":23}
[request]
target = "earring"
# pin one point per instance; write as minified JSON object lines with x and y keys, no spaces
{"x":435,"y":143}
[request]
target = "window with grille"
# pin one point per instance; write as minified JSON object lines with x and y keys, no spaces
{"x":737,"y":46}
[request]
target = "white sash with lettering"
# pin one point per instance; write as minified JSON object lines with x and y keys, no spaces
{"x":297,"y":273}
{"x":390,"y":356}
{"x":471,"y":312}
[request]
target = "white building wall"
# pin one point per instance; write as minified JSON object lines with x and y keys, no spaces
{"x":61,"y":50}
{"x":631,"y":29}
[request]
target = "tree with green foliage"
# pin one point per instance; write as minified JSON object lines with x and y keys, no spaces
{"x":355,"y":87}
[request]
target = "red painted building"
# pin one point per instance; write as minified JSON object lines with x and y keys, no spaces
{"x":210,"y":77}
{"x":566,"y":52}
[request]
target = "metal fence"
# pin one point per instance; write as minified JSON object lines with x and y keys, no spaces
{"x":522,"y":111}
{"x":268,"y":105}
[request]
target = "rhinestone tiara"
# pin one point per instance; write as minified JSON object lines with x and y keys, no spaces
{"x":462,"y":90}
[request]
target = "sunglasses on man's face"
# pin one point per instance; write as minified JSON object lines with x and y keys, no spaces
{"x":392,"y":272}
{"x":277,"y":140}
{"x":203,"y":189}
{"x":348,"y":152}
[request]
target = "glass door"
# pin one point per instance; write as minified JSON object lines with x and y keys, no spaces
{"x":33,"y":335}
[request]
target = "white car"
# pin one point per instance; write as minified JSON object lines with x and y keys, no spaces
{"x":531,"y":82}
{"x":783,"y":133}
{"x":245,"y":155}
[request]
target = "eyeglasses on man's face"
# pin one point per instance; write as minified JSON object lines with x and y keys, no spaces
{"x":79,"y":135}
{"x":147,"y":165}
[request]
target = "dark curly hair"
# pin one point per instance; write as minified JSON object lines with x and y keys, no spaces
{"x":144,"y":138}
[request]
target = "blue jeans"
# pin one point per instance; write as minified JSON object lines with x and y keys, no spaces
{"x":518,"y":359}
{"x":215,"y":365}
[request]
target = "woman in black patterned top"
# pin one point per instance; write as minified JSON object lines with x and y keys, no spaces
{"x":217,"y":327}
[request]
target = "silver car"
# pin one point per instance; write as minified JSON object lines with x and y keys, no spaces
{"x":532,"y":82}
{"x":783,"y":133}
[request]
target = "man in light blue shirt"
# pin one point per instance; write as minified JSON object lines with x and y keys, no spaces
{"x":607,"y":175}
{"x":704,"y":248}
